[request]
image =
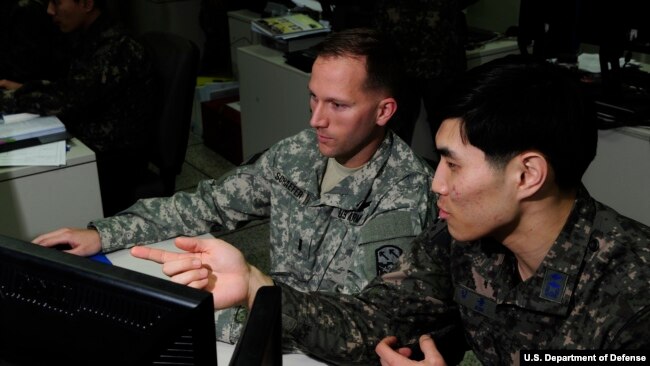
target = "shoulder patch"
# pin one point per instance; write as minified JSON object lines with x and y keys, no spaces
{"x":386,"y":257}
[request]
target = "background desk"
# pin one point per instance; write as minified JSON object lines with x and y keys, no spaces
{"x":619,"y":176}
{"x":124,"y":259}
{"x":38,"y":199}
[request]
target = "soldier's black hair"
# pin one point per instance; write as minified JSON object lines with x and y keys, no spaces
{"x":518,"y":104}
{"x":384,"y":65}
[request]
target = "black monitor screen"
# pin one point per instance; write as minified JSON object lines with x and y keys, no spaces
{"x":59,"y":308}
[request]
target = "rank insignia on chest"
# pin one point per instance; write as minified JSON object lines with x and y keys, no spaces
{"x":475,"y":302}
{"x":554,"y":285}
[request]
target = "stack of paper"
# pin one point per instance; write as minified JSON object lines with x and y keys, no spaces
{"x":16,"y":129}
{"x":28,"y":139}
{"x":52,"y":154}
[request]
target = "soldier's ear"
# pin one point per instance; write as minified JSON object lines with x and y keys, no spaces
{"x":532,"y":169}
{"x":385,"y":110}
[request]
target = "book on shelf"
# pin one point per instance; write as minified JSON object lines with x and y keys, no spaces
{"x":288,"y":26}
{"x":21,"y":130}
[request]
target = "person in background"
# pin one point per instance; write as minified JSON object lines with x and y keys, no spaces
{"x":521,"y":258}
{"x":30,"y":44}
{"x":432,"y":35}
{"x":105,"y":98}
{"x":344,"y":198}
{"x":213,"y":19}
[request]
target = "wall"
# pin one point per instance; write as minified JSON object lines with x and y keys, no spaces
{"x":494,"y":15}
{"x":175,"y":16}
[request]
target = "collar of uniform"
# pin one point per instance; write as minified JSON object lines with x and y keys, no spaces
{"x":551,"y":288}
{"x":351,"y":192}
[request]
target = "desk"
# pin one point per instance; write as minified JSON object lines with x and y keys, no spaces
{"x":619,"y":176}
{"x":491,"y":51}
{"x":38,"y":199}
{"x":124,"y":259}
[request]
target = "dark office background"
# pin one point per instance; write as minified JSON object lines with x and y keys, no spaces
{"x":184,"y":17}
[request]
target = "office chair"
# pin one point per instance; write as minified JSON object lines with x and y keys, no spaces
{"x":175,"y":64}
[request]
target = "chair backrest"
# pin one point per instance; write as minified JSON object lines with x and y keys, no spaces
{"x":175,"y":63}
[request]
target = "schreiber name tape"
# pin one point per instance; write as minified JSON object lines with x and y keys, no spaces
{"x":575,"y":357}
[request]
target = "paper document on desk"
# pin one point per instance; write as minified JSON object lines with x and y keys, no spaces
{"x":18,"y":117}
{"x":52,"y":154}
{"x":590,"y":62}
{"x":22,"y":128}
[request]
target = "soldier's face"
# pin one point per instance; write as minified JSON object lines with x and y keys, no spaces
{"x":475,"y":198}
{"x":69,"y":15}
{"x":348,"y":119}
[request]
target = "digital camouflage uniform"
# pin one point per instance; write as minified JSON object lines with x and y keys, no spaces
{"x":431,"y":37}
{"x":337,"y":241}
{"x":592,"y":291}
{"x":105,"y":98}
{"x":431,"y":34}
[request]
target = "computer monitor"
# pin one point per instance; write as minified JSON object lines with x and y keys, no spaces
{"x":59,"y":308}
{"x":260,"y":343}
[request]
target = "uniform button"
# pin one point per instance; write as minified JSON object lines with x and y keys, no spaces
{"x":593,"y":245}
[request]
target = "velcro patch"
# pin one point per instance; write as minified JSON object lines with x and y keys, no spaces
{"x":554,"y":285}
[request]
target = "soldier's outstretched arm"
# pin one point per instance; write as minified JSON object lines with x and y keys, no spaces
{"x":212,"y":265}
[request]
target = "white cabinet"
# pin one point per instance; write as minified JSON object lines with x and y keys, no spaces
{"x":274,"y":98}
{"x":619,"y":176}
{"x":36,"y":199}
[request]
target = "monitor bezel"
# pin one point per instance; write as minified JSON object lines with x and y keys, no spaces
{"x":177,"y":306}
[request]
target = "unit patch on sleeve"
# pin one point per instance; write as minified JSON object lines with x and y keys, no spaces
{"x":386,"y":257}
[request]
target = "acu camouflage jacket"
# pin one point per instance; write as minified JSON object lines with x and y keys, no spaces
{"x":336,"y":241}
{"x":592,"y":291}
